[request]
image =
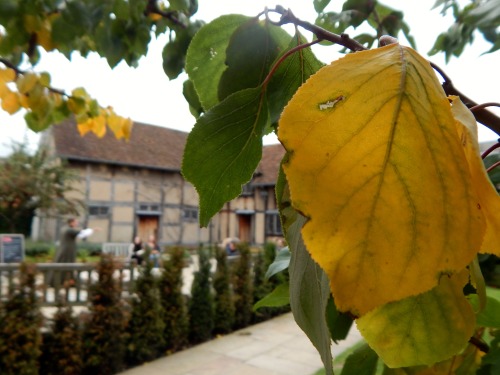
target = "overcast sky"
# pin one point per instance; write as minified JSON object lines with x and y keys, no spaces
{"x":146,"y":95}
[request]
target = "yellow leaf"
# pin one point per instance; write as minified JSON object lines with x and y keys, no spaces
{"x":85,"y":126}
{"x":26,"y":82}
{"x":99,"y":126}
{"x":10,"y":102}
{"x":376,"y":166}
{"x":488,"y":196}
{"x":423,"y":329}
{"x":7,"y":75}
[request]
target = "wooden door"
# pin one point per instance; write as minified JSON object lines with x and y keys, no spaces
{"x":148,"y":225}
{"x":245,"y":228}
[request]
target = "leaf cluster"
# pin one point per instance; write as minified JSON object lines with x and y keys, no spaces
{"x":481,"y":16}
{"x":116,"y":30}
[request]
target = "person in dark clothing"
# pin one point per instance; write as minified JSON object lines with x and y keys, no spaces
{"x":136,"y":250}
{"x":66,"y":252}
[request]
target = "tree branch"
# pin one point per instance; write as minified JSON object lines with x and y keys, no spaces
{"x":152,"y":8}
{"x":482,"y":115}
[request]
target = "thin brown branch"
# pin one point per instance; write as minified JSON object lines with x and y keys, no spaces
{"x":484,"y":105}
{"x":491,"y":167}
{"x":483,"y":116}
{"x":152,"y":8}
{"x":478,"y":343}
{"x":490,"y":150}
{"x":288,"y":17}
{"x":18,"y":71}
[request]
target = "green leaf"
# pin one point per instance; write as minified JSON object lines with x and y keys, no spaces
{"x":490,"y":363}
{"x":280,"y":296}
{"x":424,"y":329}
{"x":339,"y":323}
{"x":206,"y":56}
{"x":320,"y":5}
{"x":281,"y":262}
{"x":224,"y":148}
{"x":288,"y":215}
{"x":362,"y":362}
{"x":192,"y":98}
{"x":309,"y":294}
{"x":289,"y":76}
{"x":490,"y":316}
{"x":485,"y":14}
{"x":174,"y":53}
{"x":251,"y":51}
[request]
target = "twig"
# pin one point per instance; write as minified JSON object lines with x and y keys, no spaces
{"x":491,"y":149}
{"x":152,"y":8}
{"x":484,"y":105}
{"x":491,"y":167}
{"x":288,"y":17}
{"x":483,"y":116}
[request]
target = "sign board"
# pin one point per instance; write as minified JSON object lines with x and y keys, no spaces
{"x":11,"y":248}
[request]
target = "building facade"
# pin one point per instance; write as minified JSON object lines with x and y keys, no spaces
{"x":135,"y":187}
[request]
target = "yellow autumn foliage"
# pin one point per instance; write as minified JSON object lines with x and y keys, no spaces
{"x":379,"y":171}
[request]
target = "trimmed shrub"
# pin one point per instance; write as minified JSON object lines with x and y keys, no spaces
{"x":38,"y":249}
{"x":201,"y":303}
{"x":223,"y":301}
{"x":242,"y":286}
{"x":145,"y":341}
{"x":173,"y":303}
{"x":89,"y":248}
{"x":103,"y":335}
{"x":20,"y":323}
{"x":261,"y":288}
{"x":62,"y":347}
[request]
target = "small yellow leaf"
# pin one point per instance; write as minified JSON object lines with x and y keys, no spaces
{"x":85,"y":126}
{"x":488,"y":196}
{"x":99,"y":126}
{"x":7,"y":75}
{"x":10,"y":102}
{"x":423,"y":329}
{"x":377,"y":167}
{"x":26,"y":82}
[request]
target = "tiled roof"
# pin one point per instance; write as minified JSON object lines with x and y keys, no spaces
{"x":268,"y":168}
{"x":148,"y":147}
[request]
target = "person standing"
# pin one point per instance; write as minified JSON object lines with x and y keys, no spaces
{"x":67,"y":241}
{"x":66,"y":252}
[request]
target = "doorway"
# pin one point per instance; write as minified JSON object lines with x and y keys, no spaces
{"x":147,"y":226}
{"x":245,"y":228}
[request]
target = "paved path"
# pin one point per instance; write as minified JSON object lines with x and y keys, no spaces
{"x":274,"y":347}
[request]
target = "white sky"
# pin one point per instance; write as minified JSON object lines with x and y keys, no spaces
{"x":146,"y":95}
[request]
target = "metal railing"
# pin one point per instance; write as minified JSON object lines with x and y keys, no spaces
{"x":70,"y":281}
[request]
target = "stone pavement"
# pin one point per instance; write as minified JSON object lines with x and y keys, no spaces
{"x":275,"y":347}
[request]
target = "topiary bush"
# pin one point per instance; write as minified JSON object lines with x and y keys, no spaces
{"x":20,"y":323}
{"x":104,"y":331}
{"x":201,"y":314}
{"x":145,"y":340}
{"x":242,"y":286}
{"x":62,"y":346}
{"x":173,"y":303}
{"x":223,"y":301}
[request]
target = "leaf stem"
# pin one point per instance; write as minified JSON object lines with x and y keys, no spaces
{"x":493,"y":167}
{"x":491,"y":149}
{"x":282,"y":58}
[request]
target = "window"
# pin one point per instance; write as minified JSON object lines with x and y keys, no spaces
{"x":98,"y":210}
{"x":190,"y":214}
{"x":273,"y":224}
{"x":247,"y":190}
